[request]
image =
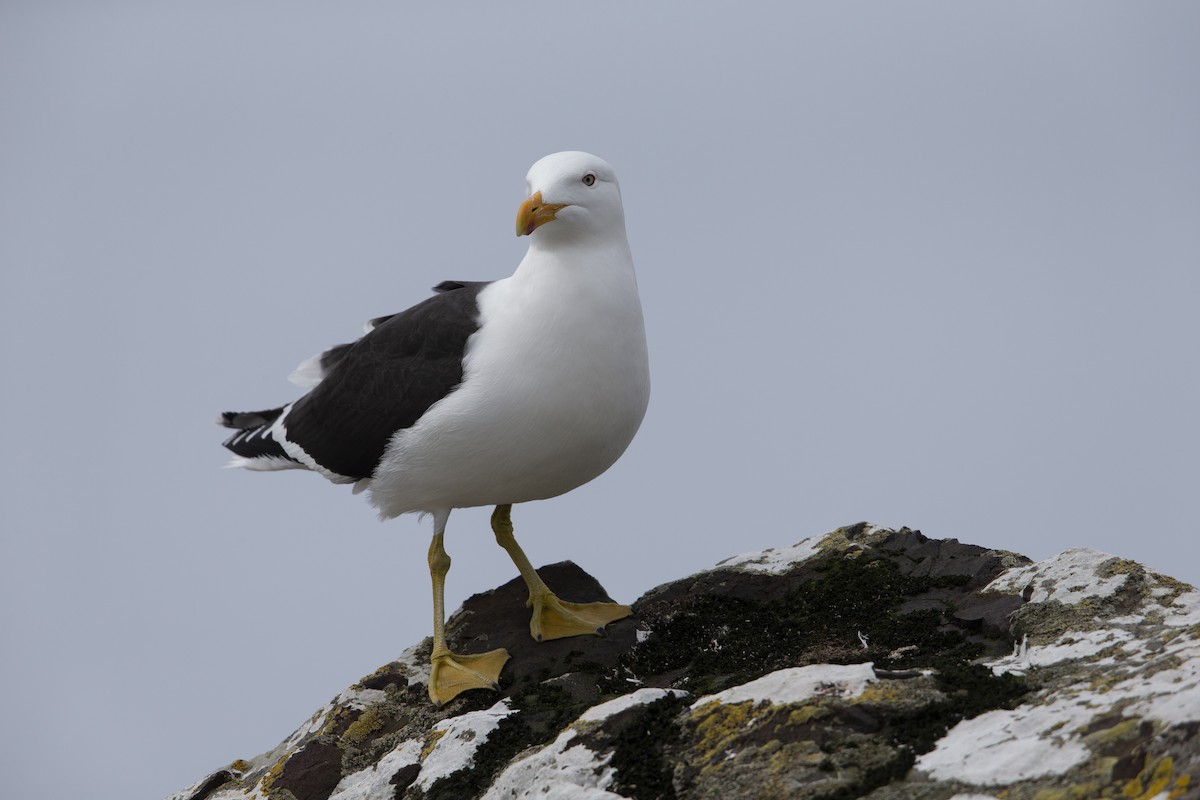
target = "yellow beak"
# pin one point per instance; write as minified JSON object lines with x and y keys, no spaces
{"x":533,"y":213}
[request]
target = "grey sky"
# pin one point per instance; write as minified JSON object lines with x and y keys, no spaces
{"x":925,"y":265}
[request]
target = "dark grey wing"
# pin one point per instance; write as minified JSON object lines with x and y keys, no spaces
{"x":385,"y":381}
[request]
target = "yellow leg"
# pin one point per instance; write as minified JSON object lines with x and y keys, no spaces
{"x":453,"y":673}
{"x":552,"y":618}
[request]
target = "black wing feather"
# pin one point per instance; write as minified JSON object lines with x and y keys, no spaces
{"x":386,"y":381}
{"x":331,"y":357}
{"x":444,"y":286}
{"x":249,"y":441}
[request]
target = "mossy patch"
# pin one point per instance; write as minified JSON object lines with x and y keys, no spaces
{"x":719,"y":641}
{"x":968,"y":691}
{"x":641,"y":751}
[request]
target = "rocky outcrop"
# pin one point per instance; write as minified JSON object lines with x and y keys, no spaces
{"x":868,"y":662}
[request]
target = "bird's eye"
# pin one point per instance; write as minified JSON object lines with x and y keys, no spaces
{"x":589,"y":179}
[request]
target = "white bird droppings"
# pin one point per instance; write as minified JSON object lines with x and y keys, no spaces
{"x":566,"y":769}
{"x":461,"y":736}
{"x":797,"y":684}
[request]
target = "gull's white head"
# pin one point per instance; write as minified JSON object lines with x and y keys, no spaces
{"x":571,"y":194}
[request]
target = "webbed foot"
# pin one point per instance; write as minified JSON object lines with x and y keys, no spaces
{"x":454,"y":673}
{"x":556,"y":619}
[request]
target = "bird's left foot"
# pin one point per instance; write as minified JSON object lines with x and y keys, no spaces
{"x":454,"y":673}
{"x":557,"y":619}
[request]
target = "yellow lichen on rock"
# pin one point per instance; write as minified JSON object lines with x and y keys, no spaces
{"x":266,"y":785}
{"x":852,"y":538}
{"x":718,"y":724}
{"x":806,"y":713}
{"x":1125,"y":729}
{"x":1174,"y":588}
{"x":334,"y":719}
{"x":883,"y":692}
{"x":1121,"y":566}
{"x":431,"y":741}
{"x":367,"y":723}
{"x":1155,"y":779}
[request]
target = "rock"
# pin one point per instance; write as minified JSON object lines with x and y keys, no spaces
{"x":868,"y":662}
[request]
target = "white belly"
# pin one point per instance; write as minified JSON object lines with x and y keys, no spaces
{"x":555,"y":385}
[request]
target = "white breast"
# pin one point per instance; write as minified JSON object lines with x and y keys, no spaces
{"x":555,"y":385}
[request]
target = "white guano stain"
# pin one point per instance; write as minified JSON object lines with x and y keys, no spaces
{"x":797,"y":684}
{"x":566,"y":769}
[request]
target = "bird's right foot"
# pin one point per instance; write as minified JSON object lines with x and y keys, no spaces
{"x":453,"y":673}
{"x":557,"y":619}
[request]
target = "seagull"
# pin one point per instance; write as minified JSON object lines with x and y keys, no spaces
{"x":485,"y":394}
